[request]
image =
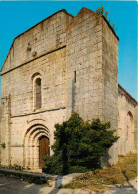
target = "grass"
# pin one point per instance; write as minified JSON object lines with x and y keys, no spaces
{"x":98,"y":180}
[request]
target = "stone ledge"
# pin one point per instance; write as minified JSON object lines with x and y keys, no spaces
{"x":40,"y":178}
{"x":29,"y":176}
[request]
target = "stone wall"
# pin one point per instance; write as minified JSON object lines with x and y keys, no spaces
{"x":18,"y":106}
{"x":23,"y":148}
{"x":92,"y":55}
{"x":110,"y":85}
{"x":127,"y":123}
{"x":5,"y":131}
{"x":19,"y":83}
{"x":84,"y":58}
{"x":21,"y":67}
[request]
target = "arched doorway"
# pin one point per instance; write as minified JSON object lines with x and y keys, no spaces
{"x":44,"y":149}
{"x":36,"y":137}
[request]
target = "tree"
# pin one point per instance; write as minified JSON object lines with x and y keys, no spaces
{"x":79,"y":145}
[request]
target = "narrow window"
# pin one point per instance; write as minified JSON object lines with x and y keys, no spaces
{"x":74,"y":76}
{"x":38,"y":93}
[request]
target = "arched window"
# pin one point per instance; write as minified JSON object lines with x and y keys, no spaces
{"x":37,"y":92}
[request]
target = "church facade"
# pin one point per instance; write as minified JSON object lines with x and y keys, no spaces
{"x":61,"y":65}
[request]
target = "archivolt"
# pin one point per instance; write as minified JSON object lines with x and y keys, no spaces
{"x":31,"y":144}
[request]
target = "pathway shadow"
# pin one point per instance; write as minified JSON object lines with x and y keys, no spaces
{"x":58,"y":183}
{"x":126,"y":188}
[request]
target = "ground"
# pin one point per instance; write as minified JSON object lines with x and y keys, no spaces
{"x":16,"y":186}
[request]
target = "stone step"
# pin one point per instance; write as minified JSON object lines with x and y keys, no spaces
{"x":40,"y":178}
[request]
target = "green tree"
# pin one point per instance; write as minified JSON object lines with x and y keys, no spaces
{"x":79,"y":145}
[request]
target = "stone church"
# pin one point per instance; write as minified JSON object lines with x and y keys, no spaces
{"x":61,"y":65}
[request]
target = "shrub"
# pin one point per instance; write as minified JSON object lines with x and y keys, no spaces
{"x":79,"y":145}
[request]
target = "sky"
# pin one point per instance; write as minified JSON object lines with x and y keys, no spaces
{"x":18,"y":16}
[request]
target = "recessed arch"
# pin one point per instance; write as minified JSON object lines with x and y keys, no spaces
{"x":130,"y":132}
{"x":31,"y":145}
{"x":32,"y":127}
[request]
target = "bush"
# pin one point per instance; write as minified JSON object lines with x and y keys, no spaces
{"x":79,"y":145}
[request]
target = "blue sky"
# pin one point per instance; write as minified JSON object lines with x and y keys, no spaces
{"x":16,"y":17}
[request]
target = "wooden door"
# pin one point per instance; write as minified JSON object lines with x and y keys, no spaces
{"x":44,"y":150}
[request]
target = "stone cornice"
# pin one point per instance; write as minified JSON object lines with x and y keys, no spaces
{"x":122,"y":91}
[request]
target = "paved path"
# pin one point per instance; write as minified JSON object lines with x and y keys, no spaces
{"x":12,"y":186}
